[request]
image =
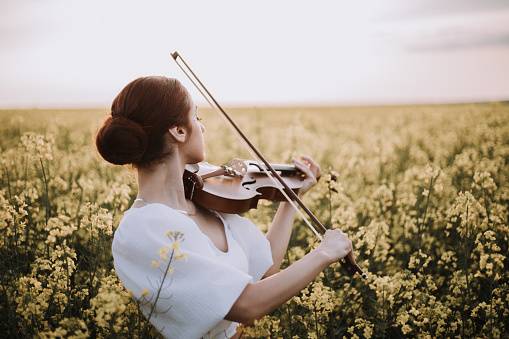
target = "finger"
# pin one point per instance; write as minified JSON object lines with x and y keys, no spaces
{"x":351,"y":258}
{"x":309,"y":161}
{"x":303,"y":168}
{"x":317,"y":171}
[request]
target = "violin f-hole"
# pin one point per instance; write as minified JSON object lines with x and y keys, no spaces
{"x":247,"y":183}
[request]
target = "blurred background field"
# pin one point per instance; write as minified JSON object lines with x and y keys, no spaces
{"x":421,"y":190}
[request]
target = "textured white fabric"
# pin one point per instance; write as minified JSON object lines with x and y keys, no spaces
{"x":198,"y":294}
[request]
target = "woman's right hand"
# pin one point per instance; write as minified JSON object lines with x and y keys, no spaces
{"x":262,"y":297}
{"x":336,"y":245}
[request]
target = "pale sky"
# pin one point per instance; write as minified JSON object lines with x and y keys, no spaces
{"x":81,"y":53}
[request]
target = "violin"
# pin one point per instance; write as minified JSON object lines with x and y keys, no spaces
{"x":289,"y":193}
{"x":237,"y":186}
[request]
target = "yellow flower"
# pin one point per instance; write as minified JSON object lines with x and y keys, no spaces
{"x":155,"y":264}
{"x":368,"y":332}
{"x":163,"y":251}
{"x":175,"y":245}
{"x":181,"y":256}
{"x":170,"y":271}
{"x":144,"y":292}
{"x":406,"y":329}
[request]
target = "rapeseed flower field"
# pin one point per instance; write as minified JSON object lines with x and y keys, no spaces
{"x":422,"y":191}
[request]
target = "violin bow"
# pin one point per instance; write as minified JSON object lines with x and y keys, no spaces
{"x":290,"y":195}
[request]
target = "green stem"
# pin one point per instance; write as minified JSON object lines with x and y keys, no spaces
{"x":152,"y":309}
{"x":8,"y":183}
{"x":486,"y":205}
{"x":47,"y":191}
{"x":421,"y":226}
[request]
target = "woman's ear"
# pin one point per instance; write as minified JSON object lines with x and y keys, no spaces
{"x":179,"y":133}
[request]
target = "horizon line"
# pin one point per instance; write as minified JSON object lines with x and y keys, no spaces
{"x":387,"y":103}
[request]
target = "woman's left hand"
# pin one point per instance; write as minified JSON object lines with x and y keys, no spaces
{"x":311,"y":170}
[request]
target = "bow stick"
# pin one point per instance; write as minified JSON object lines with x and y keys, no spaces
{"x":290,"y":195}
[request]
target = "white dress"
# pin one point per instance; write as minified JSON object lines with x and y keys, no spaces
{"x":201,"y":290}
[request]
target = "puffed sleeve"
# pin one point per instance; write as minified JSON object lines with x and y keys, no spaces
{"x":196,"y":295}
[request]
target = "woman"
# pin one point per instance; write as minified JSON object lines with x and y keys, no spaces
{"x":231,"y":274}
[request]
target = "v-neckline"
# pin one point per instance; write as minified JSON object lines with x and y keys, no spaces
{"x":223,"y":221}
{"x":226,"y":235}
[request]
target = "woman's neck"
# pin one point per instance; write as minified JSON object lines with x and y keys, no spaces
{"x":162,"y":183}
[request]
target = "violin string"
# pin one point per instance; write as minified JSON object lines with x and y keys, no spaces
{"x":255,"y":157}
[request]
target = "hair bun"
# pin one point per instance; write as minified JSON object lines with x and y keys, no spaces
{"x":121,"y":141}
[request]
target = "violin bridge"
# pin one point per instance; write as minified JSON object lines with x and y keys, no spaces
{"x":237,"y":167}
